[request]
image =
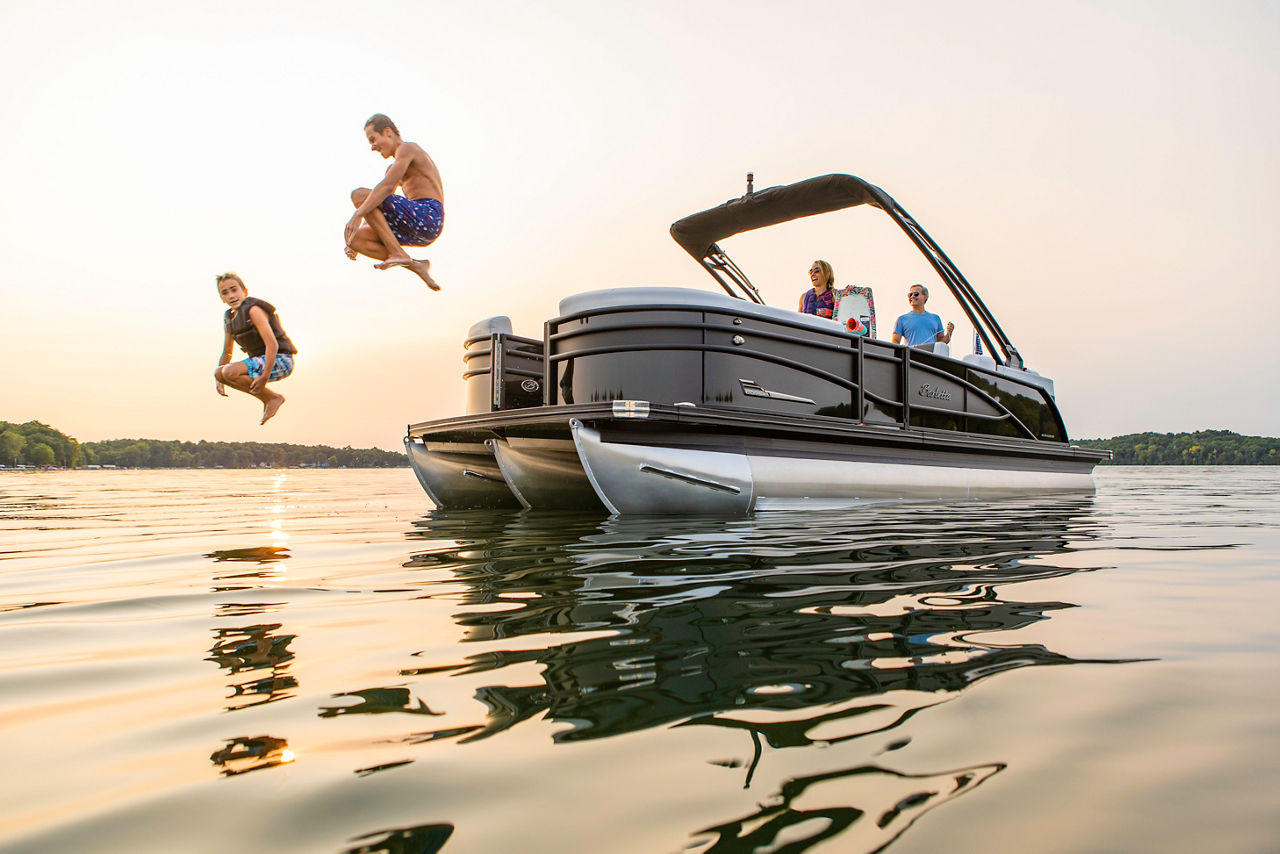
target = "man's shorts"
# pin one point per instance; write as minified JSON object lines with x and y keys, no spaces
{"x":413,"y":223}
{"x":281,"y":369}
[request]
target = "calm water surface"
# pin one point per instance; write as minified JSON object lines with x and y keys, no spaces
{"x":313,"y":661}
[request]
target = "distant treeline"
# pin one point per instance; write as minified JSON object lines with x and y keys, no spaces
{"x":1202,"y":448}
{"x":36,"y":444}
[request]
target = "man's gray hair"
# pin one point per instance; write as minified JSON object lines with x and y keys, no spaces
{"x":923,"y":288}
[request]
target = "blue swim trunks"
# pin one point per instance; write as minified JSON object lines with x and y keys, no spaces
{"x":414,"y":223}
{"x":281,"y":369}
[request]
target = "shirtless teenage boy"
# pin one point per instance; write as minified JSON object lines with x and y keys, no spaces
{"x":391,"y":221}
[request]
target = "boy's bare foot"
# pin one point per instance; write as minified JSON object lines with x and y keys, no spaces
{"x":271,"y":407}
{"x":420,"y":268}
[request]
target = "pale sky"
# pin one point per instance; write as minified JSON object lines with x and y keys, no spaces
{"x":1104,"y":173}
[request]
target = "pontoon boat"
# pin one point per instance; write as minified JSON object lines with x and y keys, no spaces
{"x":662,"y":400}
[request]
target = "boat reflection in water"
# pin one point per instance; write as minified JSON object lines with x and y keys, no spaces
{"x":810,"y":810}
{"x":424,"y":839}
{"x":256,"y":657}
{"x":797,"y":630}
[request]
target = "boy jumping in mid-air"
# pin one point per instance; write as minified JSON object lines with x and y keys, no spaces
{"x":392,"y":222}
{"x":252,"y":323}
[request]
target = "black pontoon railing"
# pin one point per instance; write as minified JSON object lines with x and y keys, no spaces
{"x":855,"y":346}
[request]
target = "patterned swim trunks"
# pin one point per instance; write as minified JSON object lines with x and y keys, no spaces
{"x":281,"y":369}
{"x":414,"y":223}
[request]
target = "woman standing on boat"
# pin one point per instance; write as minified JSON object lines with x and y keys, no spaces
{"x":821,"y":298}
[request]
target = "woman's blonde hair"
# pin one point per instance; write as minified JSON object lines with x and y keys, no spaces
{"x":827,"y":273}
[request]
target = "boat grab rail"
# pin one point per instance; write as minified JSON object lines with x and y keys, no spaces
{"x":783,"y":317}
{"x":517,"y":372}
{"x":506,"y":336}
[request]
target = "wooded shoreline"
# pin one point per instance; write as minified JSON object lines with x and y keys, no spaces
{"x":37,"y":445}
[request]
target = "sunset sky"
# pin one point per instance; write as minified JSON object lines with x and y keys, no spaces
{"x":1104,"y":173}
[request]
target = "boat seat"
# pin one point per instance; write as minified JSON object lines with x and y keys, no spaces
{"x":982,"y":360}
{"x":487,"y":327}
{"x":1026,"y":375}
{"x":939,"y":347}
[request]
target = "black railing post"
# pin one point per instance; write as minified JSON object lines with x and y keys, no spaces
{"x":497,"y":368}
{"x":858,"y":366}
{"x":906,"y":387}
{"x":548,"y":370}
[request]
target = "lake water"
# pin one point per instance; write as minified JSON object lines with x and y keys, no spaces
{"x":312,"y":661}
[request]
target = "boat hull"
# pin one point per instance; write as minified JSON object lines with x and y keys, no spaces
{"x":643,"y":479}
{"x":545,"y":473}
{"x":459,"y":475}
{"x":665,"y":400}
{"x":677,"y":460}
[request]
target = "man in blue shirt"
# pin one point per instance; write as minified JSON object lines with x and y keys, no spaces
{"x":919,"y":326}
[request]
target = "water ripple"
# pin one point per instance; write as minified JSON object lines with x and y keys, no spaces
{"x":303,"y":662}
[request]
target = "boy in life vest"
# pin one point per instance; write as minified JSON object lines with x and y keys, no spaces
{"x":252,"y":323}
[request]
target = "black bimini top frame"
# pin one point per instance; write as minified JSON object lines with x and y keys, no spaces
{"x":698,"y":234}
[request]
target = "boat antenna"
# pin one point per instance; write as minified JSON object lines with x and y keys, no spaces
{"x":751,"y":180}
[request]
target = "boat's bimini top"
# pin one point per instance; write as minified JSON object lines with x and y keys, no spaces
{"x":698,"y":233}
